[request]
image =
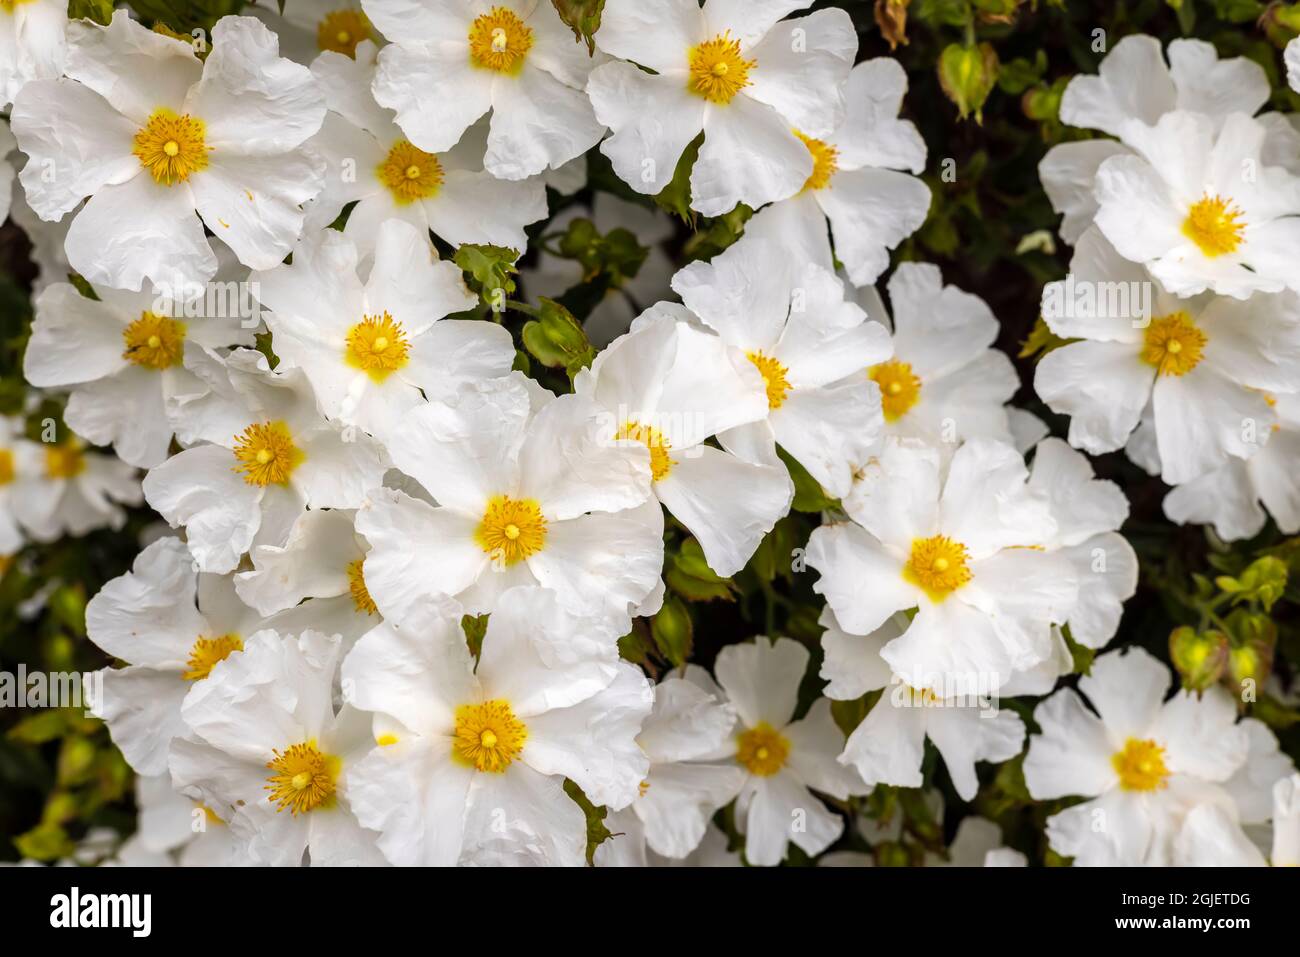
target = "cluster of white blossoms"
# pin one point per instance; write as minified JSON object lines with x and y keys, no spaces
{"x":385,"y":624}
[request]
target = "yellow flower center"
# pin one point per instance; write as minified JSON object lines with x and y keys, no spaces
{"x":377,"y":345}
{"x":826,"y":161}
{"x":660,"y":462}
{"x":488,"y":736}
{"x":1173,"y":344}
{"x":154,"y":342}
{"x":774,"y":377}
{"x":900,"y":387}
{"x":499,"y":41}
{"x":512,"y":529}
{"x":762,"y":749}
{"x":8,"y":6}
{"x":1215,"y":225}
{"x":7,"y":472}
{"x":938,"y":566}
{"x":357,"y":586}
{"x":1140,"y":766}
{"x":410,"y":173}
{"x":266,"y":454}
{"x":304,"y":779}
{"x":341,"y":31}
{"x":717,"y":70}
{"x":207,"y":652}
{"x":171,"y":147}
{"x":65,"y":460}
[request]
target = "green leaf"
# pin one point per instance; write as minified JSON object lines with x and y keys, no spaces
{"x":101,"y":11}
{"x":809,"y":496}
{"x":689,"y":575}
{"x":597,"y":832}
{"x":582,"y":17}
{"x":673,"y":631}
{"x":45,"y":842}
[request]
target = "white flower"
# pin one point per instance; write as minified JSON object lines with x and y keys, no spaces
{"x":171,"y":625}
{"x":12,"y":456}
{"x":671,"y":386}
{"x":472,"y":757}
{"x":687,"y":733}
{"x":855,"y":183}
{"x":264,"y":454}
{"x":370,"y":347}
{"x":1134,"y":83}
{"x":7,"y":145}
{"x":945,"y":381}
{"x":965,"y":726}
{"x":753,"y":85}
{"x":1230,"y":497}
{"x":793,"y":323}
{"x":47,"y":251}
{"x":32,"y":44}
{"x":269,"y":754}
{"x":64,"y":488}
{"x":451,"y":61}
{"x":307,"y":28}
{"x":369,"y":160}
{"x":123,"y":355}
{"x":173,"y":825}
{"x":523,"y":498}
{"x":315,"y":580}
{"x":1143,"y":762}
{"x":1201,"y":208}
{"x":963,"y":547}
{"x":782,"y":758}
{"x":1292,"y":57}
{"x":151,"y":135}
{"x":1205,"y":364}
{"x":977,"y":843}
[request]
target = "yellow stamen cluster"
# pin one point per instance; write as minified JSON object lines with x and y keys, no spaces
{"x":774,"y":377}
{"x":206,"y":654}
{"x":900,"y":387}
{"x":1173,"y":344}
{"x":717,"y":70}
{"x":938,"y":566}
{"x":357,"y":586}
{"x":762,"y":750}
{"x":7,"y":472}
{"x":171,"y":147}
{"x":499,"y":41}
{"x":341,"y":30}
{"x":826,"y":161}
{"x":1215,"y":225}
{"x":66,"y":460}
{"x":1140,"y":766}
{"x":265,"y":453}
{"x":488,"y":736}
{"x":511,"y":529}
{"x":410,"y":173}
{"x":155,"y":342}
{"x":304,"y":778}
{"x":377,"y":345}
{"x":660,"y":461}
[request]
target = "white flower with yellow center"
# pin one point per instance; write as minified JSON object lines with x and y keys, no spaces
{"x":1142,"y":761}
{"x":1202,"y":207}
{"x":731,"y":71}
{"x":1135,"y":83}
{"x":686,"y":738}
{"x":1212,"y":836}
{"x":171,"y":625}
{"x":671,"y":386}
{"x":123,"y":357}
{"x":525,"y":495}
{"x":1234,"y":497}
{"x":962,"y":546}
{"x":180,"y":829}
{"x":268,"y":753}
{"x":472,"y":756}
{"x":857,"y":183}
{"x":261,"y":454}
{"x":791,"y":321}
{"x":151,"y":135}
{"x":33,"y":45}
{"x":452,"y":61}
{"x":965,"y":724}
{"x":309,"y":28}
{"x":371,"y":342}
{"x":370,"y":160}
{"x":314,"y":580}
{"x":1207,"y":365}
{"x":784,"y":760}
{"x":12,"y":457}
{"x":63,"y":487}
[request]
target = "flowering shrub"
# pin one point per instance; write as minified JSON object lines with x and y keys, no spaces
{"x":634,"y":432}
